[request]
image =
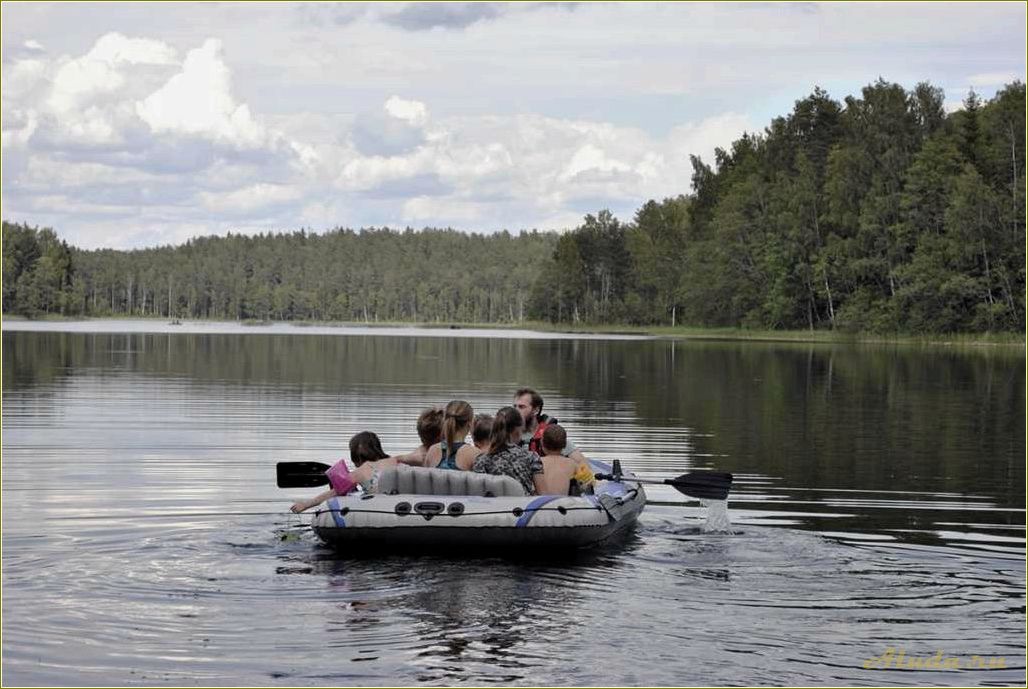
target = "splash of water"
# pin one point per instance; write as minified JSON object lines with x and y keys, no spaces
{"x":718,"y":520}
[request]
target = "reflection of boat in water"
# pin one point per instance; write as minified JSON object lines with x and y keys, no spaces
{"x":434,"y":509}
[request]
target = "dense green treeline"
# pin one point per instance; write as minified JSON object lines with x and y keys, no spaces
{"x":878,"y":214}
{"x":432,"y":275}
{"x":37,"y":272}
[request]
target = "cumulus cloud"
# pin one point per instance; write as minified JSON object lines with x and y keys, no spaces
{"x":198,"y":101}
{"x":410,"y":111}
{"x":526,"y":170}
{"x":19,"y":126}
{"x":589,"y":159}
{"x":435,"y":211}
{"x":101,"y":71}
{"x":127,"y":130}
{"x":475,"y":115}
{"x":250,"y":198}
{"x":397,"y":127}
{"x":701,"y":138}
{"x":79,"y":101}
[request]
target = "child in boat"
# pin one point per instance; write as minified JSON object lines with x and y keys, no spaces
{"x":480,"y":432}
{"x":367,"y":455}
{"x":562,"y":475}
{"x":452,"y":452}
{"x":430,"y":432}
{"x":505,"y":458}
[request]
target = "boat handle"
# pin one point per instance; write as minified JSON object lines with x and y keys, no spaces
{"x":429,"y":509}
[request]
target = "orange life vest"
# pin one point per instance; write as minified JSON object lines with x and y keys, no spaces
{"x":535,"y":444}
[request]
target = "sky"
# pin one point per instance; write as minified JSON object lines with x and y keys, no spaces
{"x":129,"y":125}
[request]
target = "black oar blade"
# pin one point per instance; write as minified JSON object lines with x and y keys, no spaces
{"x":703,"y":485}
{"x":301,"y":474}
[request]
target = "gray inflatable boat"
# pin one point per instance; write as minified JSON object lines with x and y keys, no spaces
{"x":438,"y":509}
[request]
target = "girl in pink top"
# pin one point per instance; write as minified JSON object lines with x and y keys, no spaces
{"x":367,"y":455}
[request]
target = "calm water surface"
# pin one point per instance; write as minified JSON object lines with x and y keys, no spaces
{"x":879,"y":504}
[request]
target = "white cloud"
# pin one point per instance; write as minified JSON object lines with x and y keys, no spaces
{"x":397,"y":128}
{"x":700,"y":138}
{"x":79,"y":101}
{"x":475,"y":160}
{"x":198,"y":101}
{"x":250,"y":198}
{"x":363,"y":173}
{"x":992,"y":79}
{"x":19,"y":126}
{"x":22,"y":77}
{"x":197,"y":118}
{"x":411,"y":111}
{"x":522,"y":171}
{"x":125,"y":131}
{"x":100,"y":72}
{"x":561,"y":221}
{"x":45,"y":172}
{"x":442,"y":212}
{"x":114,"y":47}
{"x":590,"y":158}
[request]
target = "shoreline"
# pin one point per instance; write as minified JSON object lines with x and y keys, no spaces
{"x":1004,"y":340}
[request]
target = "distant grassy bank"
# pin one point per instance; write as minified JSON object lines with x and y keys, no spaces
{"x":678,"y":332}
{"x":816,"y":336}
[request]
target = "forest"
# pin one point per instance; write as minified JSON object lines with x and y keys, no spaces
{"x":879,"y":214}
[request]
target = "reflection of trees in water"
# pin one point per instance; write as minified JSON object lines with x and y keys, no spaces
{"x":897,"y":418}
{"x":871,"y":417}
{"x":31,"y":361}
{"x":324,"y":361}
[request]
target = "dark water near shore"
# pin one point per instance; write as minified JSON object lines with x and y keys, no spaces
{"x":879,"y":504}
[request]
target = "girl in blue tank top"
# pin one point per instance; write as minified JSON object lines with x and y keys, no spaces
{"x":453,"y":452}
{"x":449,"y":454}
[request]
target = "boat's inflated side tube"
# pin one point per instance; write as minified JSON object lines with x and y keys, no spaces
{"x":417,"y":481}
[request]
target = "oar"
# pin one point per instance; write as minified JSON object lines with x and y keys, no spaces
{"x":301,"y":474}
{"x":704,"y":485}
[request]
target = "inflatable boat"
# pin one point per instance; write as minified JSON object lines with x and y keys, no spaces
{"x":414,"y":508}
{"x":437,"y":509}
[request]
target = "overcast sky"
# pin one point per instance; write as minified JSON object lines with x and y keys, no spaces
{"x":131,"y":125}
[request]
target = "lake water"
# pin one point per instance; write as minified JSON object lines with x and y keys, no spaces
{"x":878,"y":513}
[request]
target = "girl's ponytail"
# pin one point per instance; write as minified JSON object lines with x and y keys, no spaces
{"x":458,"y":415}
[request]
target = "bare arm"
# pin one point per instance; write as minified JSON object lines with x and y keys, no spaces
{"x":316,"y":500}
{"x":577,"y":455}
{"x":414,"y":458}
